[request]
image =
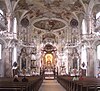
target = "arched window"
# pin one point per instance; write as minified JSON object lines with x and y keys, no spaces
{"x":84,"y":28}
{"x":1,"y":12}
{"x":1,"y":15}
{"x":83,"y":57}
{"x":98,"y":56}
{"x":0,"y":51}
{"x":97,"y":15}
{"x":98,"y":52}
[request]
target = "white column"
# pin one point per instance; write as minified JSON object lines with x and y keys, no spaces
{"x":8,"y":19}
{"x":15,"y":28}
{"x":90,"y":64}
{"x":10,"y":22}
{"x":14,"y":55}
{"x":7,"y":63}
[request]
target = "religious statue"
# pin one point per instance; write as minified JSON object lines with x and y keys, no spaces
{"x":23,"y":62}
{"x":75,"y":63}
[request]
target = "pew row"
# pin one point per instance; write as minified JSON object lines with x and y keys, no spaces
{"x":33,"y":84}
{"x":84,"y":84}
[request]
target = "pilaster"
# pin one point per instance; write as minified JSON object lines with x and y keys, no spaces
{"x":7,"y":63}
{"x":90,"y":61}
{"x":10,"y":20}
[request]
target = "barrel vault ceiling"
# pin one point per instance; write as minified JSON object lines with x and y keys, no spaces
{"x":49,"y":21}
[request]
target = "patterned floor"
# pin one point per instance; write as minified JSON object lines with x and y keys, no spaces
{"x":51,"y":85}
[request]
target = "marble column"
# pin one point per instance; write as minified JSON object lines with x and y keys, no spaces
{"x":7,"y":50}
{"x":90,"y":50}
{"x":9,"y":15}
{"x":90,"y":61}
{"x":90,"y":24}
{"x":7,"y":63}
{"x":10,"y":20}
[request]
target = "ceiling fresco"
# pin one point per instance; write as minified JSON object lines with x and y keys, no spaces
{"x":53,"y":21}
{"x":49,"y":18}
{"x":49,"y":24}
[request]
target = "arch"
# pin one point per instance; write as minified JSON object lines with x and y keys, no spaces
{"x":98,"y":15}
{"x":83,"y":5}
{"x":15,"y":5}
{"x":9,"y":6}
{"x":85,"y":42}
{"x":3,"y":5}
{"x":91,"y":6}
{"x":96,"y":43}
{"x":1,"y":12}
{"x":13,"y":42}
{"x":23,"y":15}
{"x":54,"y":33}
{"x":96,"y":10}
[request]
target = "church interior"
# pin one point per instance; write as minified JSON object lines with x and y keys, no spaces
{"x":50,"y":38}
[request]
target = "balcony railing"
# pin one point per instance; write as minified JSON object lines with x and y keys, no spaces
{"x":8,"y":35}
{"x":72,"y":45}
{"x":90,"y":37}
{"x":87,"y":37}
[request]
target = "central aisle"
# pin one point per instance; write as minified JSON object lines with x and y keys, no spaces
{"x":51,"y":85}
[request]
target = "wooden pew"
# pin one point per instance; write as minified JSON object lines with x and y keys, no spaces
{"x":86,"y":84}
{"x":12,"y":86}
{"x":7,"y":84}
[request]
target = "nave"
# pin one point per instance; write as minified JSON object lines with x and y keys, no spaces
{"x":51,"y":85}
{"x":62,"y":36}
